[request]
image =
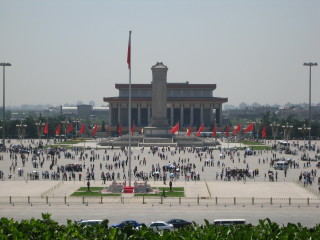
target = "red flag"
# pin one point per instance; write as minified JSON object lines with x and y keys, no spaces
{"x":175,"y":128}
{"x":95,"y":128}
{"x":58,"y":129}
{"x":129,"y":52}
{"x":200,"y":130}
{"x":249,"y":128}
{"x":264,"y":131}
{"x":81,"y":129}
{"x":46,"y":129}
{"x":189,"y":131}
{"x":69,"y":130}
{"x":120,"y":130}
{"x":132,"y":129}
{"x":227,"y":131}
{"x":214,"y":131}
{"x":237,"y":129}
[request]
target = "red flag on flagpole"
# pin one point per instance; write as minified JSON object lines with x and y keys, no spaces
{"x":249,"y":128}
{"x":95,"y":128}
{"x":58,"y":129}
{"x":132,"y":129}
{"x":46,"y":129}
{"x":69,"y":130}
{"x":120,"y":130}
{"x":237,"y":129}
{"x":175,"y":128}
{"x":214,"y":131}
{"x":264,"y":131}
{"x":200,"y":130}
{"x":129,"y":52}
{"x":82,"y":129}
{"x":227,"y":131}
{"x":189,"y":131}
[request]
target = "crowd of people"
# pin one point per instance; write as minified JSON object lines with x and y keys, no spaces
{"x":155,"y":163}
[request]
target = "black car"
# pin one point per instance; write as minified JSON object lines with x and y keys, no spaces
{"x":178,"y":223}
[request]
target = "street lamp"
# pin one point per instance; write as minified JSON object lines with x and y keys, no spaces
{"x":287,"y":131}
{"x":274,"y":126}
{"x":40,"y":126}
{"x":310,"y":64}
{"x":21,"y":130}
{"x":304,"y":129}
{"x":4,"y":65}
{"x":76,"y":123}
{"x":65,"y":126}
{"x":257,"y":125}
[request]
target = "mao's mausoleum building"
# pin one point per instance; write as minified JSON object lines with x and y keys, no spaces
{"x":189,"y":104}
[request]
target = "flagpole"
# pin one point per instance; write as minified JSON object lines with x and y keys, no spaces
{"x":129,"y":124}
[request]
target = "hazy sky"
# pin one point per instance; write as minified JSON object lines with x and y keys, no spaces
{"x":63,"y":51}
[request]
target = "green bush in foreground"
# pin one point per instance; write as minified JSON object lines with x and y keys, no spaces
{"x":49,"y":229}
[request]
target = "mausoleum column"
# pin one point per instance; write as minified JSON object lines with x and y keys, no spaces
{"x":149,"y":114}
{"x":201,"y":113}
{"x":119,"y":120}
{"x":139,"y":114}
{"x":191,"y":114}
{"x":181,"y":115}
{"x":110,"y":116}
{"x":171,"y":115}
{"x":211,"y":112}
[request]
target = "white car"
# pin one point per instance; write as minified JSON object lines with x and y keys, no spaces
{"x":160,"y":226}
{"x":90,"y":222}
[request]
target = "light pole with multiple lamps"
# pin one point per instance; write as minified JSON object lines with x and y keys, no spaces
{"x":21,"y":130}
{"x":65,"y":124}
{"x":287,"y":131}
{"x":76,"y":121}
{"x":4,"y":65}
{"x":274,"y":126}
{"x":304,"y":129}
{"x":310,"y":64}
{"x":40,"y":126}
{"x":257,"y":125}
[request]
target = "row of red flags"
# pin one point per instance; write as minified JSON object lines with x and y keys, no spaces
{"x":214,"y":131}
{"x":70,"y":128}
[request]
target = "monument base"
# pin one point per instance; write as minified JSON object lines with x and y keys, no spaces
{"x":157,"y":132}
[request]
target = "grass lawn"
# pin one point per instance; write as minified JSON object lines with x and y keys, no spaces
{"x":252,"y":143}
{"x":160,"y":194}
{"x":91,"y":188}
{"x":95,"y":192}
{"x":177,"y":189}
{"x":259,"y":147}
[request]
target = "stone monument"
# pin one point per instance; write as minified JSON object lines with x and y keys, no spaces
{"x":159,"y":120}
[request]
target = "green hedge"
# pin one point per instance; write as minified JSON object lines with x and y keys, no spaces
{"x":49,"y":229}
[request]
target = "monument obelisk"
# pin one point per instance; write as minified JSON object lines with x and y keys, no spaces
{"x":159,"y":120}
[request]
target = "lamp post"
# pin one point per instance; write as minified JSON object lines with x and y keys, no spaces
{"x":304,"y":129}
{"x":4,"y":65}
{"x":274,"y":126}
{"x":21,"y":130}
{"x":310,"y":64}
{"x":65,"y":125}
{"x":40,"y":126}
{"x":257,"y":125}
{"x":76,"y":123}
{"x":287,"y":131}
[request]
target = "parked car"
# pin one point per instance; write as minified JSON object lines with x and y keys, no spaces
{"x":124,"y":223}
{"x":229,"y":222}
{"x":90,"y":222}
{"x":160,"y":226}
{"x":178,"y":223}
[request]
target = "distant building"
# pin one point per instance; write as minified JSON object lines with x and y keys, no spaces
{"x":189,"y":104}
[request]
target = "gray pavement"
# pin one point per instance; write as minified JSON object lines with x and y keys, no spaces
{"x":207,"y":189}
